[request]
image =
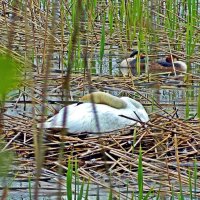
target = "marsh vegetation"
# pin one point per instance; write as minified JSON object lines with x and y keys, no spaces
{"x":54,"y":52}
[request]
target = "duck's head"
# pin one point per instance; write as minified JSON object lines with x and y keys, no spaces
{"x":171,"y":58}
{"x":132,"y":55}
{"x":135,"y":55}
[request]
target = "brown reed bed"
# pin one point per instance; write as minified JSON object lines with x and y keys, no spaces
{"x":169,"y":144}
{"x":30,"y":28}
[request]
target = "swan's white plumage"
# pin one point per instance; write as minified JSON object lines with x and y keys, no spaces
{"x":81,"y":117}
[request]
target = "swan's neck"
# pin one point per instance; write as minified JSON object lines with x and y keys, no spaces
{"x":104,"y":98}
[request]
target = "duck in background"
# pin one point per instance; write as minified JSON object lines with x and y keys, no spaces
{"x":160,"y":66}
{"x":166,"y":65}
{"x":98,"y":112}
{"x":130,"y":64}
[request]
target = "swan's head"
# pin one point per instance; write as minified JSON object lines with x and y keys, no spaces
{"x":104,"y":98}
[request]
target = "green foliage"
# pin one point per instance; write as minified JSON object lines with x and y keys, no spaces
{"x":43,"y":3}
{"x":87,"y":190}
{"x":80,"y":194}
{"x":171,"y":19}
{"x":69,"y":177}
{"x":191,"y":40}
{"x":187,"y":107}
{"x":69,"y":180}
{"x":78,"y":63}
{"x":198,"y":105}
{"x":110,"y":197}
{"x":101,"y":54}
{"x":6,"y":159}
{"x":190,"y":183}
{"x":140,"y":175}
{"x":9,"y":74}
{"x":141,"y":195}
{"x":110,"y":17}
{"x":195,"y":176}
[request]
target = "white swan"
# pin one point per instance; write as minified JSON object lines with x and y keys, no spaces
{"x":80,"y":117}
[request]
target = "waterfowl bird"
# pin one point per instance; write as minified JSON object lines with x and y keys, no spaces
{"x":112,"y":113}
{"x":160,"y":66}
{"x":129,"y":64}
{"x":166,"y":65}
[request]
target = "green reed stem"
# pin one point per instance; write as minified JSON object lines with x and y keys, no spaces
{"x":140,"y":175}
{"x":102,"y":45}
{"x":69,"y":176}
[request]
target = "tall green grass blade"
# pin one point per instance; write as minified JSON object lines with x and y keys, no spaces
{"x":129,"y":22}
{"x":102,"y":44}
{"x":181,"y":196}
{"x":198,"y":104}
{"x":87,"y":190}
{"x":127,"y":190}
{"x":80,"y":195}
{"x":195,"y":177}
{"x":187,"y":108}
{"x":6,"y":159}
{"x":69,"y":180}
{"x":78,"y":61}
{"x":74,"y":12}
{"x":122,"y":12}
{"x":173,"y":195}
{"x":190,"y":29}
{"x":43,"y":4}
{"x":140,"y":175}
{"x":110,"y":17}
{"x":76,"y":178}
{"x":158,"y":195}
{"x":110,"y":197}
{"x":133,"y":195}
{"x":146,"y":197}
{"x":190,"y":183}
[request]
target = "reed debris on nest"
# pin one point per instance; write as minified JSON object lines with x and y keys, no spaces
{"x":169,"y":147}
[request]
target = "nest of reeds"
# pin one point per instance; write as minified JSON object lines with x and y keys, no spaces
{"x":169,"y":145}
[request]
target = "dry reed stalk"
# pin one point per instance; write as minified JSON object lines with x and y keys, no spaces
{"x":156,"y":140}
